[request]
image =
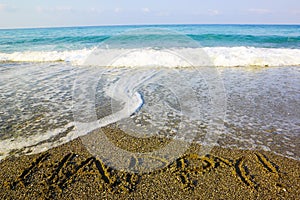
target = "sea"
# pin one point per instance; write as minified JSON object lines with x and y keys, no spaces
{"x":232,"y":86}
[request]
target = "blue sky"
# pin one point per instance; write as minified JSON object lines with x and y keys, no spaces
{"x":42,"y":13}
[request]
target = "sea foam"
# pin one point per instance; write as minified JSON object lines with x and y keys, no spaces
{"x":219,"y":56}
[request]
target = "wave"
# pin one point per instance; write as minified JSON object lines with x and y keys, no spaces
{"x":258,"y":41}
{"x":74,"y":56}
{"x":250,"y":56}
{"x":55,"y":40}
{"x":218,"y":56}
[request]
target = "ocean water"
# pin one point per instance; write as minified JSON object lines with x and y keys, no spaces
{"x":234,"y":86}
{"x":227,"y":45}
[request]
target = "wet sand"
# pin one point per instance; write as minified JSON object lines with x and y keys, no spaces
{"x":71,"y":172}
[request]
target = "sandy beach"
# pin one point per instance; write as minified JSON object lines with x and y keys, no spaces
{"x":71,"y":172}
{"x":149,"y":100}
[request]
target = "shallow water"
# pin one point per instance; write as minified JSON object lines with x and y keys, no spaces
{"x":47,"y":104}
{"x":263,"y":109}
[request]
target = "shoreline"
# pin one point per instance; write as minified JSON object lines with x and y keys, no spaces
{"x":71,"y":172}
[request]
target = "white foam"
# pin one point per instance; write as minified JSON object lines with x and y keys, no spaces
{"x":21,"y":142}
{"x":123,"y":90}
{"x":219,"y":56}
{"x":150,"y":57}
{"x":250,"y":56}
{"x":74,"y":56}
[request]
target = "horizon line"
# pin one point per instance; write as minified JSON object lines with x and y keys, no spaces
{"x":150,"y":24}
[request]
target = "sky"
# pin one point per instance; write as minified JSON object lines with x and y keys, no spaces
{"x":55,"y":13}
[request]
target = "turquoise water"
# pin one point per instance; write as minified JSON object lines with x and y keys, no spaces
{"x":59,"y":39}
{"x":226,"y":45}
{"x":178,"y":81}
